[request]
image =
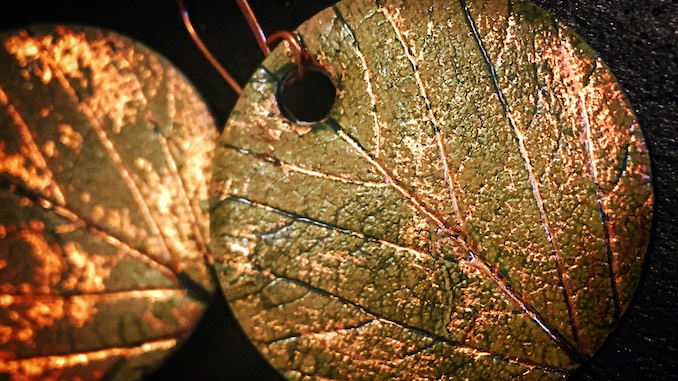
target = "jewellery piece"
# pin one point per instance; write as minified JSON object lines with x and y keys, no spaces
{"x":476,"y":206}
{"x":105,"y":156}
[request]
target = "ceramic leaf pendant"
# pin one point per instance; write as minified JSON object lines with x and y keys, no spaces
{"x":476,"y":206}
{"x":105,"y":155}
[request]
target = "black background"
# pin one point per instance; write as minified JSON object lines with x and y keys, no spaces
{"x":637,"y":39}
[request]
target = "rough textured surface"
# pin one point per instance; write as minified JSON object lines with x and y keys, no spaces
{"x":105,"y":155}
{"x":636,"y":39}
{"x":480,"y":194}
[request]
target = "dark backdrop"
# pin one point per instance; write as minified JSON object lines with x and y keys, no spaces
{"x":637,"y":38}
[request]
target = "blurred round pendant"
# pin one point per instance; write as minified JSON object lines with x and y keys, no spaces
{"x":105,"y":155}
{"x":476,"y":205}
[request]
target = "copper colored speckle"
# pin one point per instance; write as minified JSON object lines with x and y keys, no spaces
{"x":92,"y":246}
{"x":476,"y":205}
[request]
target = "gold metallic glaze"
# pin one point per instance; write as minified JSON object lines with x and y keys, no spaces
{"x":513,"y":212}
{"x":33,"y":368}
{"x":103,"y":165}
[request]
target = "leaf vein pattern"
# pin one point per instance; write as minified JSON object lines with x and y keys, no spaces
{"x":432,"y":119}
{"x":324,"y":225}
{"x":343,"y":178}
{"x":194,"y":215}
{"x":34,"y":152}
{"x":26,"y":365}
{"x":411,"y":198}
{"x":367,"y":78}
{"x":101,"y":233}
{"x":534,"y":182}
{"x":589,"y":152}
{"x":173,"y":168}
{"x":461,"y":347}
{"x":392,"y":16}
{"x":297,"y":336}
{"x":473,"y":258}
{"x":487,"y":272}
{"x":111,"y":150}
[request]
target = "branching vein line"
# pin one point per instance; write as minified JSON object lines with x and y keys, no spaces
{"x":417,"y":253}
{"x":201,"y":238}
{"x":556,"y":254}
{"x":34,"y":152}
{"x":390,"y":179}
{"x":287,"y":167}
{"x":591,"y":159}
{"x":392,"y":17}
{"x":109,"y":238}
{"x":113,"y":154}
{"x":367,"y":78}
{"x":81,"y":222}
{"x":458,"y":346}
{"x":475,"y":260}
{"x":195,"y":215}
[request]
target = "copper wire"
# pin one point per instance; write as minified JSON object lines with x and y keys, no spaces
{"x":298,"y":50}
{"x":198,"y":41}
{"x":255,"y":27}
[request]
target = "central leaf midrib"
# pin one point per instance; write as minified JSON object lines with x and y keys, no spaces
{"x":552,"y":332}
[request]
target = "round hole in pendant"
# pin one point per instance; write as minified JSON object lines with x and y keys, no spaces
{"x":306,"y":101}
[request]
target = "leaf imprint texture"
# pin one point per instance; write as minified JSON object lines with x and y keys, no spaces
{"x":105,"y":155}
{"x":477,"y":205}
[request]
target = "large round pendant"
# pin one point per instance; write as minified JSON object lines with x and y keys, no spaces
{"x":105,"y":156}
{"x":476,"y":205}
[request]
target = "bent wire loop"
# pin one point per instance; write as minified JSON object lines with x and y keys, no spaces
{"x":294,"y":45}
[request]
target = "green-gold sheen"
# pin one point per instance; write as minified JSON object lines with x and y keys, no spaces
{"x":476,"y":206}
